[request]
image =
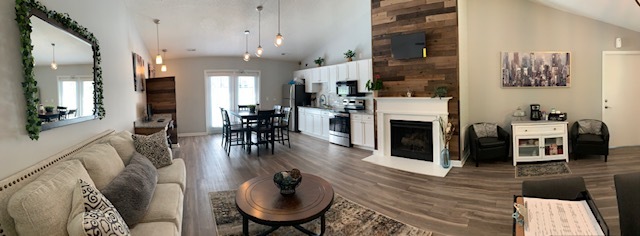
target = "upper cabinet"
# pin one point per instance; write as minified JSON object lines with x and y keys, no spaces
{"x":327,"y":76}
{"x":342,"y":71}
{"x":364,"y":74}
{"x":324,"y":74}
{"x":352,"y":70}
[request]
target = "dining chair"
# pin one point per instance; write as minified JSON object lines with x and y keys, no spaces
{"x":235,"y":133}
{"x":224,"y":128}
{"x":264,"y":130}
{"x":62,"y":112}
{"x":282,"y":126}
{"x":243,"y":107}
{"x":277,"y":108}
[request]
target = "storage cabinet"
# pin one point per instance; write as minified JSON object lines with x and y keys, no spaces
{"x":314,"y":122}
{"x":365,"y":73}
{"x":539,"y":141}
{"x":302,"y":119}
{"x":362,"y":130}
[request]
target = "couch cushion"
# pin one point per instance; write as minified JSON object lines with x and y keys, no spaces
{"x":154,"y":147}
{"x":123,"y":143}
{"x":166,"y":205}
{"x":42,"y":207}
{"x":131,"y":191}
{"x":590,"y":138}
{"x":590,"y":127}
{"x":486,"y":130}
{"x":93,"y":214}
{"x":175,"y":173}
{"x":102,"y":163}
{"x":155,"y":229}
{"x":491,"y":142}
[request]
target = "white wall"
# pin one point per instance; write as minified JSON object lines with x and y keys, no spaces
{"x":508,"y":25}
{"x":463,"y":74}
{"x":190,"y":84}
{"x":109,"y":21}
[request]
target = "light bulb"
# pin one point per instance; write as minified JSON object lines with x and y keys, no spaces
{"x":247,"y":56}
{"x":163,"y":68}
{"x":158,"y":59}
{"x":54,"y":65}
{"x":259,"y":51}
{"x":278,"y":41}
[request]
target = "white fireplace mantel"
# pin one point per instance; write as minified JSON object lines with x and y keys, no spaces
{"x":410,"y":109}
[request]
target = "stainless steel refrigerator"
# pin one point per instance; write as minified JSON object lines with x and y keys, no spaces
{"x":294,"y":96}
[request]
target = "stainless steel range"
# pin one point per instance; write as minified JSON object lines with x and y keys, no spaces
{"x":340,"y":122}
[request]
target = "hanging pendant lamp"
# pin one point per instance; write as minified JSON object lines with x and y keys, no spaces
{"x":164,"y":66}
{"x":247,"y":56}
{"x":158,"y":57}
{"x":54,"y":65}
{"x":279,"y":38}
{"x":259,"y":50}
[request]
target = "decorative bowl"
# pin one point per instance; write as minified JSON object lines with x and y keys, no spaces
{"x":287,"y":181}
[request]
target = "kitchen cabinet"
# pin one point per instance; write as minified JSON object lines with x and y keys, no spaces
{"x":352,"y":70}
{"x":343,"y":72}
{"x":365,"y":73}
{"x":314,"y":122}
{"x":302,"y":119}
{"x":539,"y":141}
{"x":323,"y":74}
{"x":333,"y":76}
{"x":362,"y":127}
{"x":308,"y":76}
{"x":326,"y":115}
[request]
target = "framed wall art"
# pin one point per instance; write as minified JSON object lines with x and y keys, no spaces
{"x":535,"y":69}
{"x":139,"y":72}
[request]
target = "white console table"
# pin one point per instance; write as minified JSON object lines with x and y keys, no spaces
{"x":539,"y":141}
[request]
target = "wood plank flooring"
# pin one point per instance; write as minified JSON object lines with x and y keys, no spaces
{"x":469,"y":201}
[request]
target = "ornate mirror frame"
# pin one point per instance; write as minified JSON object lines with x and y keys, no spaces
{"x":24,"y":10}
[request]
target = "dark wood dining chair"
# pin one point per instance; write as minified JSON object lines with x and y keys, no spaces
{"x":62,"y":112}
{"x":234,"y":133}
{"x":282,"y":127}
{"x":264,"y":130}
{"x":243,"y":107}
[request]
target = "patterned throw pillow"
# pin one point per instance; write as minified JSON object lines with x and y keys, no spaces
{"x":154,"y":147}
{"x":93,"y":214}
{"x":486,"y":130}
{"x":590,"y":127}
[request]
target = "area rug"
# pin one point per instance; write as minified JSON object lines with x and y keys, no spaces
{"x":344,"y":218}
{"x":542,"y":169}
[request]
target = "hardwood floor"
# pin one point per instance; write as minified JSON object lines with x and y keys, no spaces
{"x":468,"y":201}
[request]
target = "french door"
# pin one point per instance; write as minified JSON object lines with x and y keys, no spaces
{"x":228,"y":89}
{"x":76,"y":93}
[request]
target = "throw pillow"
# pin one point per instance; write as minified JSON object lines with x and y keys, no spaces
{"x":93,"y":214}
{"x":486,"y":130}
{"x":590,"y":127}
{"x":102,"y":163}
{"x":154,"y":147}
{"x":123,"y":143}
{"x":131,"y":191}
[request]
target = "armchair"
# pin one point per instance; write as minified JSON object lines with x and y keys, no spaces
{"x":589,"y":136}
{"x":489,"y":143}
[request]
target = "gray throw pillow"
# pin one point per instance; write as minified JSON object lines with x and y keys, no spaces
{"x":131,"y":191}
{"x":154,"y":147}
{"x":486,"y":130}
{"x":590,"y":127}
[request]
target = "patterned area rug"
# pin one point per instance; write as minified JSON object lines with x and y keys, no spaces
{"x":542,"y":169}
{"x":344,"y":218}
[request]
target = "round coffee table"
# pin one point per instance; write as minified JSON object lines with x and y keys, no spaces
{"x":260,"y":201}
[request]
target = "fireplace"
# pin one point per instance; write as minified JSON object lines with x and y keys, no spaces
{"x":412,"y":139}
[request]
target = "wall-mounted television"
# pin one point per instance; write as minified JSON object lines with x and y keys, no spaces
{"x":407,"y":46}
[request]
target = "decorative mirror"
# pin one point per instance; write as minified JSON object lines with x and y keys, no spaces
{"x":62,"y":75}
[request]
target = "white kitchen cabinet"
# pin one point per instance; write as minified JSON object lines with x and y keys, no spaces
{"x":539,"y":141}
{"x":362,"y":127}
{"x":323,"y":73}
{"x":333,"y":76}
{"x":309,"y":76}
{"x":309,"y":122}
{"x":365,"y":73}
{"x":302,"y":119}
{"x":317,"y":124}
{"x":326,"y":115}
{"x":343,"y":72}
{"x":352,"y":70}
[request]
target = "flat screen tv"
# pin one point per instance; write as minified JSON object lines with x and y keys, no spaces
{"x":407,"y":46}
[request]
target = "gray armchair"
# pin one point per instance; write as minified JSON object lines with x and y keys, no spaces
{"x":589,"y":136}
{"x":489,"y":143}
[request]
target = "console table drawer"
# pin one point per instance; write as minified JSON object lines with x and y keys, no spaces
{"x":546,"y":129}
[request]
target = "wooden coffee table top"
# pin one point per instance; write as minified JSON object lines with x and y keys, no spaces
{"x":260,"y":200}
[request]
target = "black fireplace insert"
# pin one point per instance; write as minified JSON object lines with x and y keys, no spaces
{"x":412,"y":139}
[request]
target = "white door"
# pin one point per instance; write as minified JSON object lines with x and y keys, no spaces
{"x":620,"y":96}
{"x":228,"y":89}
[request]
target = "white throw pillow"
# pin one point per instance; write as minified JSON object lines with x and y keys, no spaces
{"x":123,"y":143}
{"x":486,"y":130}
{"x":93,"y":214}
{"x":102,"y":163}
{"x":590,"y":127}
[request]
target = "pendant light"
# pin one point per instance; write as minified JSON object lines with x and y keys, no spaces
{"x":158,"y":57}
{"x":247,"y":56}
{"x":259,"y":50}
{"x":54,"y":65}
{"x":279,"y":37}
{"x":164,"y":66}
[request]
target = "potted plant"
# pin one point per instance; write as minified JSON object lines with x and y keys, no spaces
{"x":446,"y":132}
{"x":319,"y":61}
{"x":440,"y":92}
{"x":349,"y":55}
{"x":252,"y":108}
{"x":374,"y":85}
{"x":48,"y":108}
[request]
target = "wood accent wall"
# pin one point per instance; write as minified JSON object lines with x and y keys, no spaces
{"x":161,"y":94}
{"x":438,"y":19}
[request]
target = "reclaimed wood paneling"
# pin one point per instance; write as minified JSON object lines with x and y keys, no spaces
{"x":438,"y":19}
{"x":161,"y":94}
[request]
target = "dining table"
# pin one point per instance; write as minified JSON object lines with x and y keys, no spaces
{"x":246,"y":117}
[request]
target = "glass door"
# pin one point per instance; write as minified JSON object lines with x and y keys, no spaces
{"x":553,"y":146}
{"x":228,"y":89}
{"x":528,"y":147}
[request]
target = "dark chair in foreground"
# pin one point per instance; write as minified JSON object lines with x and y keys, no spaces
{"x":563,"y":189}
{"x":282,"y":126}
{"x":628,"y":196}
{"x":488,"y":141}
{"x":589,"y":137}
{"x":264,"y":130}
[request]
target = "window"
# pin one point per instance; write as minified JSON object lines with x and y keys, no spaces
{"x":76,"y":93}
{"x":228,"y":89}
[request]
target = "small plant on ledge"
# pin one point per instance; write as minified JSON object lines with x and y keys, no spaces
{"x":349,"y":55}
{"x":319,"y":61}
{"x":440,"y":92}
{"x":375,"y":85}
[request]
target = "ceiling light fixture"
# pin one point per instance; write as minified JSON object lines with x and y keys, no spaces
{"x":158,"y":57}
{"x":164,"y":66}
{"x":247,"y":56}
{"x":259,"y":50}
{"x":279,"y":37}
{"x":54,"y":65}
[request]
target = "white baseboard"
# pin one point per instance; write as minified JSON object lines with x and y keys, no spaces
{"x":460,"y":163}
{"x":192,"y":134}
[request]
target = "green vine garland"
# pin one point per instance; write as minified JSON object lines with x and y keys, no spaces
{"x":24,"y":10}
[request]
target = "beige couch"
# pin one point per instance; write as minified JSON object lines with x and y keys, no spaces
{"x":45,"y":207}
